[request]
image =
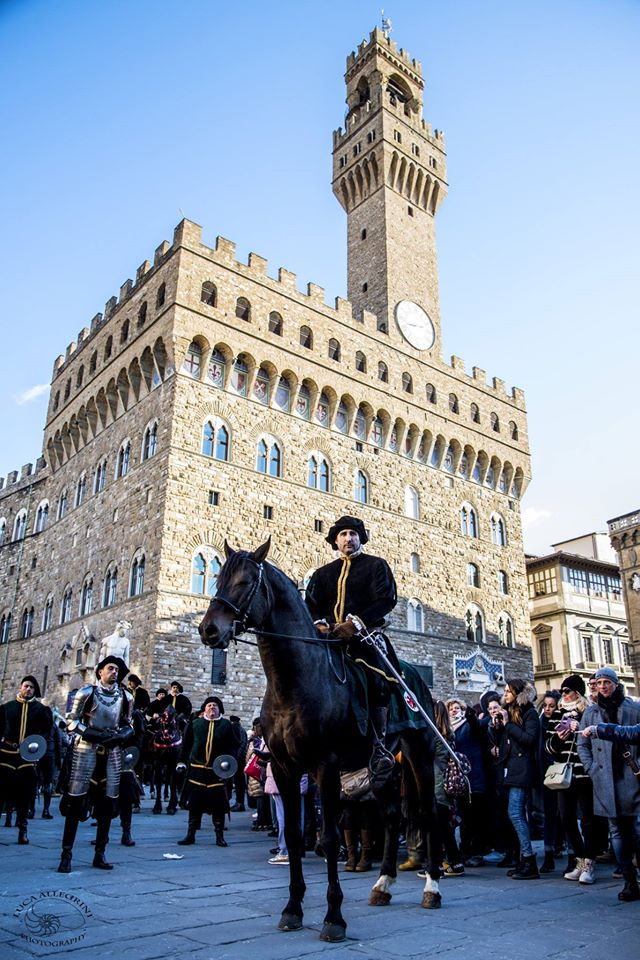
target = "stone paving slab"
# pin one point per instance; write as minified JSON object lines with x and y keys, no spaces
{"x":224,"y":904}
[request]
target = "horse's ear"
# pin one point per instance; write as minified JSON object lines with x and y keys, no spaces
{"x":228,"y":552}
{"x":261,"y":553}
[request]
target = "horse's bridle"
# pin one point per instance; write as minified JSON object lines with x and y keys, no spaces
{"x":240,"y":625}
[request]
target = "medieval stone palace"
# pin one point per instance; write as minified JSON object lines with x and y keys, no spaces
{"x":212,"y":401}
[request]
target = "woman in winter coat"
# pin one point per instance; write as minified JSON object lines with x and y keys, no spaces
{"x":575,"y":803}
{"x":517,"y":738}
{"x":472,"y":810}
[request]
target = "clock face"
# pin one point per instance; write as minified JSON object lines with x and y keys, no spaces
{"x":415,"y":325}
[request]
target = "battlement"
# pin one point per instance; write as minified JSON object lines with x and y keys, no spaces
{"x":435,"y":137}
{"x":378,"y":36}
{"x":19,"y":478}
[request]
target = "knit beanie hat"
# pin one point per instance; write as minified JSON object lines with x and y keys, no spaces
{"x":606,"y":673}
{"x":576,"y":683}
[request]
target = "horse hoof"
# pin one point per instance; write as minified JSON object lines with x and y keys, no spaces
{"x":431,"y":901}
{"x":379,"y":898}
{"x":289,"y":922}
{"x":333,"y":932}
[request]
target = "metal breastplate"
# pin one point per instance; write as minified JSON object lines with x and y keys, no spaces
{"x":106,"y":709}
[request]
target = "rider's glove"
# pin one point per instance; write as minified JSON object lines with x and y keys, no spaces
{"x":344,"y":631}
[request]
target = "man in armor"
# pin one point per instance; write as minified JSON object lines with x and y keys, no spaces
{"x":208,"y":736}
{"x":348,"y":598}
{"x":100,"y":719}
{"x":20,"y":718}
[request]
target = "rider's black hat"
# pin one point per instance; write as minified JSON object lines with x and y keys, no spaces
{"x":123,"y":669}
{"x":347,"y":523}
{"x":36,"y":685}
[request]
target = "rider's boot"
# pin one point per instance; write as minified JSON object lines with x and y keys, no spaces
{"x":192,"y":828}
{"x":218,"y":826}
{"x":382,"y":762}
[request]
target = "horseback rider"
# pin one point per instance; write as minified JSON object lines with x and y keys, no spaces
{"x":349,"y":598}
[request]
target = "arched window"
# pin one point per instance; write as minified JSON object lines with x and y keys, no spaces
{"x":3,"y":532}
{"x":80,"y":377}
{"x":513,"y":430}
{"x":407,"y":382}
{"x":361,"y":487}
{"x":65,"y":606}
{"x":393,"y":439}
{"x":26,"y":624}
{"x":475,"y":413}
{"x":275,"y":323}
{"x":47,"y":613}
{"x":430,"y":393}
{"x":81,"y":489}
{"x":5,"y":628}
{"x":498,"y":530}
{"x":243,"y":309}
{"x":506,"y":631}
{"x":415,"y":616}
{"x":136,"y":579}
{"x":205,"y":568}
{"x":503,"y":582}
{"x":62,"y":505}
{"x":56,"y":402}
{"x":503,"y":483}
{"x":67,"y":389}
{"x":100,"y":476}
{"x":239,"y":377}
{"x":453,"y":403}
{"x":150,"y":441}
{"x":108,"y":347}
{"x":361,"y":362}
{"x":124,"y":459}
{"x":415,"y":563}
{"x":20,"y":526}
{"x":383,"y":372}
{"x":86,"y":597}
{"x":411,"y":503}
{"x":93,"y":363}
{"x":473,"y":575}
{"x":303,"y":402}
{"x":283,"y":395}
{"x":161,"y":294}
{"x":490,"y":478}
{"x":42,"y":517}
{"x":193,"y":360}
{"x":110,"y":589}
{"x":142,"y":315}
{"x":124,"y":332}
{"x":208,"y":294}
{"x":377,"y":432}
{"x":269,"y":457}
{"x":334,"y":350}
{"x":217,"y":369}
{"x":215,"y":439}
{"x":495,"y":422}
{"x":318,"y":472}
{"x":342,"y":417}
{"x":468,"y":521}
{"x":322,"y":410}
{"x":306,"y":338}
{"x":261,"y":386}
{"x":360,"y":425}
{"x":447,"y":463}
{"x":474,"y":622}
{"x":463,"y":466}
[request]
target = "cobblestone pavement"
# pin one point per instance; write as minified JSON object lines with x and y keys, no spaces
{"x":225,"y":903}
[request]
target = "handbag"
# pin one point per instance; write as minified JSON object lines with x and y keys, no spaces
{"x":560,"y":775}
{"x":455,"y":779}
{"x":356,"y":784}
{"x":254,"y":769}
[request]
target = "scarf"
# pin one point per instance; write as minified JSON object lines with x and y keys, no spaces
{"x":576,"y":707}
{"x":609,"y":707}
{"x":456,"y":724}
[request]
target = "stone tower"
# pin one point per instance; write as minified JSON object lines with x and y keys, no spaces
{"x":389,"y":175}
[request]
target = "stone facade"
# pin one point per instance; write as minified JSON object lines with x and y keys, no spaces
{"x":624,"y":532}
{"x":168,"y":401}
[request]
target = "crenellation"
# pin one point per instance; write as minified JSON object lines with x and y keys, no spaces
{"x":125,"y":291}
{"x":71,"y":349}
{"x":480,"y":375}
{"x":58,"y":363}
{"x":369,"y":319}
{"x":344,"y":309}
{"x":12,"y":477}
{"x":258,"y":264}
{"x":499,"y":386}
{"x":226,"y":250}
{"x":27,"y":470}
{"x":315,"y":294}
{"x":83,"y":335}
{"x":457,"y":364}
{"x":160,"y":252}
{"x":518,"y":395}
{"x":96,"y":322}
{"x":110,"y":307}
{"x":143,"y":269}
{"x":187,"y":233}
{"x":287,"y":279}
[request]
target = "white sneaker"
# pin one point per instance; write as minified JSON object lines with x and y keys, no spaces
{"x":587,"y":875}
{"x":577,"y":870}
{"x":280,"y":858}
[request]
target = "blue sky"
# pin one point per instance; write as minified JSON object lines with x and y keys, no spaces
{"x":120,"y":117}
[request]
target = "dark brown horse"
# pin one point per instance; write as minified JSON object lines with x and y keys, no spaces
{"x":309,"y":725}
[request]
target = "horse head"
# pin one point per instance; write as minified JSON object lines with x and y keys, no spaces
{"x":242,"y":596}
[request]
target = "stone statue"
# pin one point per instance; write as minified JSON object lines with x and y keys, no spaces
{"x":116,"y":644}
{"x":635,"y":582}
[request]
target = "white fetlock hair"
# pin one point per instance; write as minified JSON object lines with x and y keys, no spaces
{"x":384,"y":883}
{"x":431,"y":885}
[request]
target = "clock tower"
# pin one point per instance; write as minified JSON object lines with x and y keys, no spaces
{"x":389,"y":174}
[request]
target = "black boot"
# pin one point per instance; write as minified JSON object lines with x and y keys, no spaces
{"x":528,"y":870}
{"x":23,"y":839}
{"x":631,"y":890}
{"x":218,"y":826}
{"x":65,"y":861}
{"x":157,"y":807}
{"x":99,"y":861}
{"x":382,"y":762}
{"x":191,"y":832}
{"x":125,"y":822}
{"x":548,"y":864}
{"x":8,"y":820}
{"x":102,"y":839}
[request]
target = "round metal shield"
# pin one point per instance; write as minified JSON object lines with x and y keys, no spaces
{"x":130,"y":756}
{"x":225,"y":766}
{"x":33,"y":748}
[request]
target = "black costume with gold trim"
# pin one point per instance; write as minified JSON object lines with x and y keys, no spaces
{"x":205,"y":740}
{"x":20,"y":718}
